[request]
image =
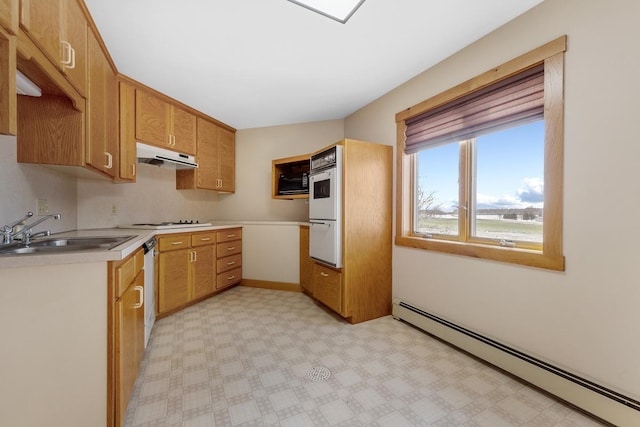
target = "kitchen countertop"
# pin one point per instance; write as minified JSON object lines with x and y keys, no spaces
{"x":115,"y":254}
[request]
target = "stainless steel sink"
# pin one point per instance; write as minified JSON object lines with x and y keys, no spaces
{"x":52,"y":245}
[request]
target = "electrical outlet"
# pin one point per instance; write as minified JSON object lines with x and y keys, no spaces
{"x":42,"y":206}
{"x":114,"y":209}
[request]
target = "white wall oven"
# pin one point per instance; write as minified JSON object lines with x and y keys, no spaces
{"x":325,"y":207}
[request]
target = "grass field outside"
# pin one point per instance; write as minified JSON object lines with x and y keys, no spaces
{"x":517,"y":230}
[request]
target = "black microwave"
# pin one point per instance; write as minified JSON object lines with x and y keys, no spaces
{"x":293,"y":183}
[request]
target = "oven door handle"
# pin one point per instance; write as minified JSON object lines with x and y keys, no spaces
{"x":327,"y":224}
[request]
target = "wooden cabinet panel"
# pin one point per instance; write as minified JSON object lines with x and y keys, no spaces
{"x":173,"y":279}
{"x":229,"y":235}
{"x":8,"y":97}
{"x":174,"y":241}
{"x":74,"y":32}
{"x":229,"y":248}
{"x":228,"y":278}
{"x":102,"y":122}
{"x":204,"y":274}
{"x":42,"y":21}
{"x":215,"y":154}
{"x":327,"y":287}
{"x":128,"y":152}
{"x":226,"y":160}
{"x":129,"y":316}
{"x":199,"y":239}
{"x":9,"y":15}
{"x":152,"y":119}
{"x":184,"y":131}
{"x":229,"y":263}
{"x":59,"y":29}
{"x":125,"y":347}
{"x":306,"y":263}
{"x":162,"y":124}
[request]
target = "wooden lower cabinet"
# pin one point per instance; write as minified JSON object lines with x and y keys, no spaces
{"x":126,"y":337}
{"x":193,"y":266}
{"x":306,"y":263}
{"x":328,"y":288}
{"x":229,"y":257}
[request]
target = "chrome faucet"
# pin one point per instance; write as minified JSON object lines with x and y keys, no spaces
{"x":7,"y":230}
{"x":27,"y":231}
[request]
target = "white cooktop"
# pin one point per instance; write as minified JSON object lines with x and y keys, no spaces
{"x":166,"y":225}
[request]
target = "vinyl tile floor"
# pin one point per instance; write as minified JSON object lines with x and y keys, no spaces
{"x":257,"y":357}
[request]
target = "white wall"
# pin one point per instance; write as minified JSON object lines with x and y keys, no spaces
{"x":21,"y":184}
{"x":585,"y":318}
{"x":255,"y":149}
{"x":152,"y":198}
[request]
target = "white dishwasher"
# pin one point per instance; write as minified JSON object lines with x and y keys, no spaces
{"x":149,"y":287}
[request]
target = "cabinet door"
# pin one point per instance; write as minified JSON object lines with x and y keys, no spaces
{"x":128,"y":160}
{"x":152,"y":119}
{"x":8,"y":97}
{"x":9,"y":15}
{"x":173,"y":279}
{"x":129,"y":330}
{"x":184,"y":131}
{"x":102,"y":140}
{"x":306,"y":263}
{"x":41,"y":19}
{"x":226,"y":160}
{"x":207,"y":155}
{"x":327,"y":287}
{"x":74,"y":32}
{"x":204,"y":274}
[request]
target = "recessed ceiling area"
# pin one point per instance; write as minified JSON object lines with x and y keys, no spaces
{"x":255,"y":63}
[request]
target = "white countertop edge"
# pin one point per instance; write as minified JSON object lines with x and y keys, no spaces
{"x":283,"y":223}
{"x":118,"y":253}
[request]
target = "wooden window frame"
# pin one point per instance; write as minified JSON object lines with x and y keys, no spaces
{"x":550,"y":257}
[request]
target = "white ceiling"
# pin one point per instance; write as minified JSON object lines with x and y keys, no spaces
{"x":254,"y":63}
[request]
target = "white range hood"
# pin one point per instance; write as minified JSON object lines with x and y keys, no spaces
{"x":163,"y":157}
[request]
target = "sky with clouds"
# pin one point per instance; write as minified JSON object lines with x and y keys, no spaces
{"x":510,"y":170}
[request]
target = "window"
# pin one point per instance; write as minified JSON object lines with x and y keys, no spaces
{"x":481,"y":169}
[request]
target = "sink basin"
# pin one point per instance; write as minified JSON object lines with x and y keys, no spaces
{"x":52,"y":245}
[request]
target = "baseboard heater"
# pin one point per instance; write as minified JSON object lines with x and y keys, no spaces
{"x":600,"y":401}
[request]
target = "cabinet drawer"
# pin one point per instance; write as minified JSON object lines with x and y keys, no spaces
{"x":229,"y":262}
{"x":169,"y":243}
{"x":127,"y":271}
{"x":229,"y":278}
{"x":327,"y":287}
{"x":229,"y":248}
{"x":200,"y":239}
{"x":230,"y":234}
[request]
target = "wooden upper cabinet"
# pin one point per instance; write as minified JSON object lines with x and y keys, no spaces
{"x":102,"y":151}
{"x":9,"y":15}
{"x":183,"y":131}
{"x":59,"y":29}
{"x":74,"y":33}
{"x":128,"y":160}
{"x":8,"y":97}
{"x":165,"y":125}
{"x":216,"y":155}
{"x":227,"y":160}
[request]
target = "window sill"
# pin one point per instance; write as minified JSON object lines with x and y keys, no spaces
{"x":494,"y":253}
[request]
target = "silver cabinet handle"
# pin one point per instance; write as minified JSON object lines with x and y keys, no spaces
{"x":231,"y":248}
{"x":205,"y":239}
{"x":176,"y":243}
{"x":140,"y":289}
{"x":66,"y":54}
{"x":231,"y":277}
{"x":231,"y":263}
{"x":323,"y":274}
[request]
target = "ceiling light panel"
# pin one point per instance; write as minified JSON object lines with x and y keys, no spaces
{"x":339,"y":10}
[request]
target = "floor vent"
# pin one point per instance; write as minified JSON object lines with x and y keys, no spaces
{"x":318,"y":373}
{"x":600,"y":401}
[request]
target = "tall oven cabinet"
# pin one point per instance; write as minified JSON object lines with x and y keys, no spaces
{"x":361,"y":289}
